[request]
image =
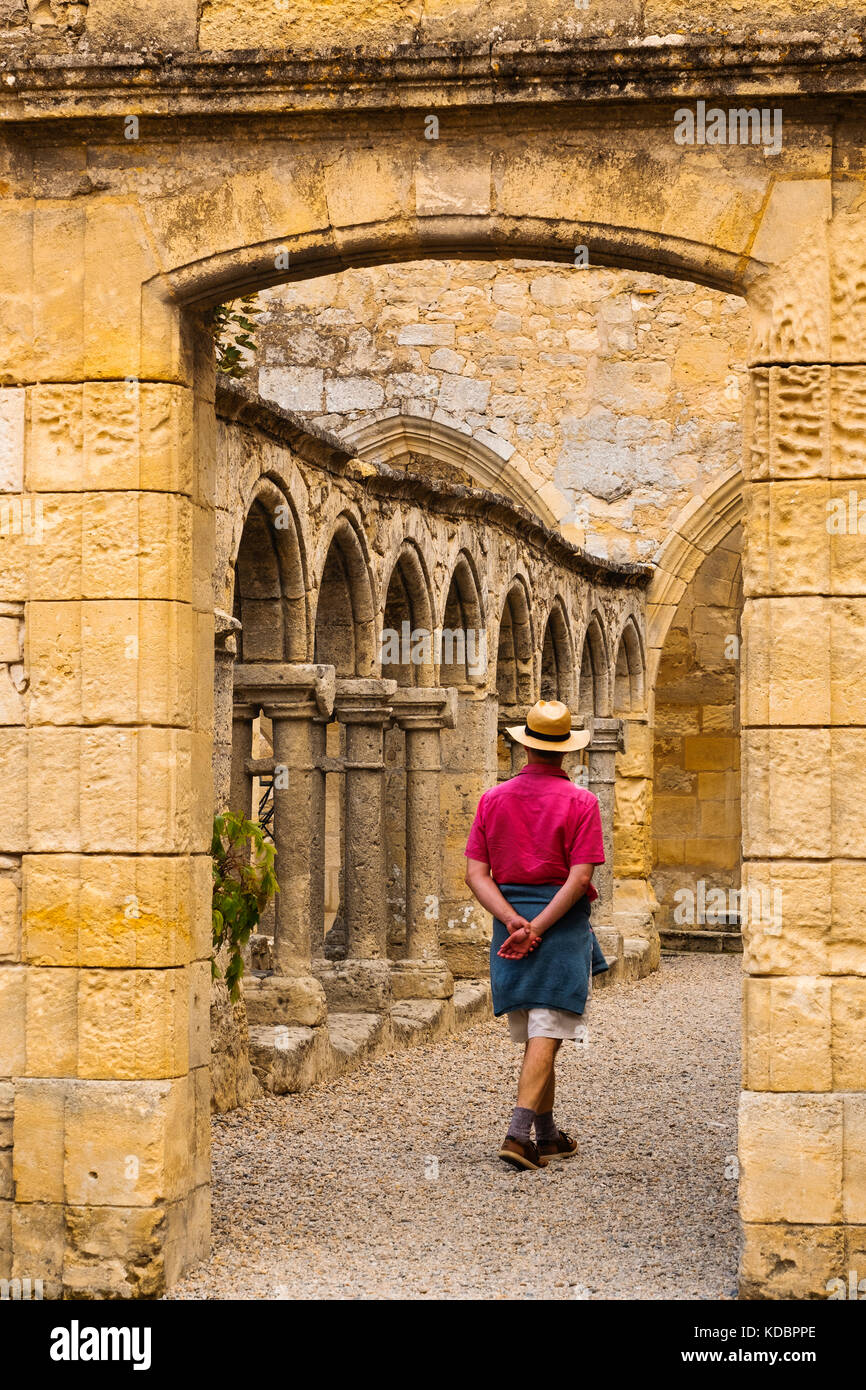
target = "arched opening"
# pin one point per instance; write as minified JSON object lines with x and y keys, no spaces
{"x":345,"y":640}
{"x":514,"y":672}
{"x":628,"y":679}
{"x":463,"y":659}
{"x":557,"y":657}
{"x":552,"y":667}
{"x":270,"y":583}
{"x":344,"y":609}
{"x":407,"y":654}
{"x":464,"y":776}
{"x":593,"y":681}
{"x":514,"y":664}
{"x":407,"y":640}
{"x":696,"y":840}
{"x":270,"y":604}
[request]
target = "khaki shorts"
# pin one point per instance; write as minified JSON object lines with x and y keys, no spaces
{"x":548,"y":1023}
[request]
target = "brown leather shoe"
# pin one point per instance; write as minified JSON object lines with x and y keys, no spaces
{"x":563,"y":1147}
{"x":521,"y":1153}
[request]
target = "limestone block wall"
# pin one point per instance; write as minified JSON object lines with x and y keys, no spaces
{"x":106,"y":699}
{"x":12,"y":685}
{"x":605,"y":400}
{"x":696,"y":809}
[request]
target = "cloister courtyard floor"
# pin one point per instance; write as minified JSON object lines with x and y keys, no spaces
{"x":385,"y":1183}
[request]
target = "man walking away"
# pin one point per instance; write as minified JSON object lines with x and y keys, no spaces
{"x":531,"y":853}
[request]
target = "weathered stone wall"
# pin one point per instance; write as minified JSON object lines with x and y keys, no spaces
{"x":317,"y":24}
{"x":696,"y":806}
{"x":615,"y":397}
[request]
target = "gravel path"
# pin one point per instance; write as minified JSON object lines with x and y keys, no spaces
{"x":326,"y":1194}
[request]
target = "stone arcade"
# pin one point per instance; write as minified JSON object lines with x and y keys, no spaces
{"x":414,"y":745}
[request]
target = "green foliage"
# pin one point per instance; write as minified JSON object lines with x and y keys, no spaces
{"x":243,"y":883}
{"x":234,"y":324}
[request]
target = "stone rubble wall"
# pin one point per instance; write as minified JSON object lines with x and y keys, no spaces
{"x":184,"y":25}
{"x":615,"y":396}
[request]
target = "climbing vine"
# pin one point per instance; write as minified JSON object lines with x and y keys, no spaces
{"x":234,"y":325}
{"x":243,"y":884}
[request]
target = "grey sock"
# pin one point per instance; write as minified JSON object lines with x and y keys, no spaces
{"x":521,"y":1124}
{"x":545,"y":1129}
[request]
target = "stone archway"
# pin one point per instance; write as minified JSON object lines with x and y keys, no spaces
{"x":515,"y":676}
{"x":408,"y":656}
{"x":515,"y":670}
{"x":399,"y":437}
{"x":200,"y":219}
{"x":469,"y":749}
{"x":697,"y":531}
{"x":629,"y":675}
{"x":270,"y":590}
{"x":463,"y":612}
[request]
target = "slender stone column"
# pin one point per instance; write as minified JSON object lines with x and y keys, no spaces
{"x":241,"y":779}
{"x":225,"y":654}
{"x":634,"y":899}
{"x":605,"y":744}
{"x":422,"y":714}
{"x":364,"y":706}
{"x":468,"y":769}
{"x":509,"y":715}
{"x":298,"y":700}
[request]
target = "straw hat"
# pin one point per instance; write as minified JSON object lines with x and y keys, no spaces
{"x":548,"y":728}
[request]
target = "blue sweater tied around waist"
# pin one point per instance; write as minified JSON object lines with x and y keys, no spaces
{"x":556,"y":974}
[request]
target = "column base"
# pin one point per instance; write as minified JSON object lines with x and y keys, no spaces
{"x":602,"y":916}
{"x":355,"y":986}
{"x":421,"y":979}
{"x":466,"y":952}
{"x":291,"y":999}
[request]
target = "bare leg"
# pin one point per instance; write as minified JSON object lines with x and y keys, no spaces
{"x":536,"y":1074}
{"x":545,"y":1105}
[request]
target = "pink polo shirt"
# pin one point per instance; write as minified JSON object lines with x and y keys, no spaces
{"x":535,"y":827}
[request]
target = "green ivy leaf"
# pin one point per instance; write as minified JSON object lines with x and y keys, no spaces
{"x":243,"y":884}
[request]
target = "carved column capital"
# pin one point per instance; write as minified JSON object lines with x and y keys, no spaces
{"x":225,"y":631}
{"x":364,"y":701}
{"x":285,"y":690}
{"x":424,"y":707}
{"x":607,"y":736}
